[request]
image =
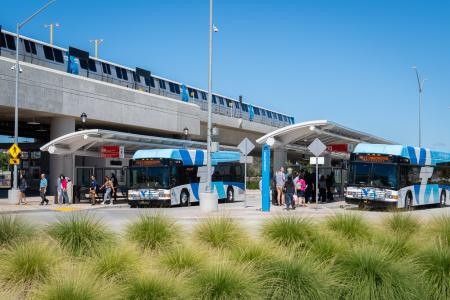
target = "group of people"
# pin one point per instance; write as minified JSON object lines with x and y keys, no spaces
{"x":109,"y":186}
{"x":298,"y":188}
{"x":64,"y":189}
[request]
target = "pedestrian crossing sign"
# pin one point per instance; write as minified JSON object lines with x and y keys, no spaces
{"x":14,"y":151}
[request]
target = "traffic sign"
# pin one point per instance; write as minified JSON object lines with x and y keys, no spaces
{"x":320,"y":160}
{"x":317,"y":147}
{"x":14,"y":151}
{"x":246,"y":146}
{"x":14,"y":161}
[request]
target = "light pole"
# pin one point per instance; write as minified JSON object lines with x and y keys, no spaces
{"x":420,"y":83}
{"x":209,"y":140}
{"x":16,"y":106}
{"x":96,"y":42}
{"x":51,"y":26}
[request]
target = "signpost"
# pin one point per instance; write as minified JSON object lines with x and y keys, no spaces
{"x":14,"y":150}
{"x":316,"y":148}
{"x":265,"y":170}
{"x":246,"y":146}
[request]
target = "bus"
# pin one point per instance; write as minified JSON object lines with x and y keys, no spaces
{"x":177,"y":176}
{"x":397,"y":176}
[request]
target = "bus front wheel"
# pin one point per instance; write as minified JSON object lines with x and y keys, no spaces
{"x":230,"y":195}
{"x":408,"y":201}
{"x":443,"y":199}
{"x":184,"y":198}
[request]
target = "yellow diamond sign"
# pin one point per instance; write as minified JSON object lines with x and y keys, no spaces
{"x":14,"y":151}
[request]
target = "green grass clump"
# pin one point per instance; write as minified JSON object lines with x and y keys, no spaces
{"x":27,"y":263}
{"x":398,"y":246}
{"x":115,"y":263}
{"x":434,"y":261}
{"x":252,"y":252}
{"x":298,"y":278}
{"x":13,"y":229}
{"x":181,"y":258}
{"x":219,"y":232}
{"x":401,"y":223}
{"x":80,"y":234}
{"x":351,"y":226}
{"x":225,"y":281}
{"x":76,"y":285}
{"x":289,"y":231}
{"x":153,"y":232}
{"x":151,"y":286}
{"x":368,"y":272}
{"x":325,"y":247}
{"x":440,"y":227}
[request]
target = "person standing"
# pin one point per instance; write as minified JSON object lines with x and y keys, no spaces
{"x":93,"y":190}
{"x":108,"y":186}
{"x":58,"y":196}
{"x":280,"y":180}
{"x":22,"y":189}
{"x":115,"y":184}
{"x":65,"y":197}
{"x":322,"y":189}
{"x":43,"y":189}
{"x":301,"y":188}
{"x":289,"y":190}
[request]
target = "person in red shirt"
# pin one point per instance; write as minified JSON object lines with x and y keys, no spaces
{"x":65,"y":196}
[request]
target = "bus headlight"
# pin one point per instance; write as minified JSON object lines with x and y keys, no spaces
{"x":391,"y":196}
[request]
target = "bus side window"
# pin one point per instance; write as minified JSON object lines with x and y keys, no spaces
{"x":413,"y":175}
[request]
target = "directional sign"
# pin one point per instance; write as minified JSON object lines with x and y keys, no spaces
{"x":14,"y":151}
{"x":320,"y":160}
{"x":246,"y":146}
{"x":14,"y":161}
{"x":317,"y":147}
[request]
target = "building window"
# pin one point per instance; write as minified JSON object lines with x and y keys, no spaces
{"x":30,"y":46}
{"x":237,"y":104}
{"x":162,"y":84}
{"x":124,"y":74}
{"x":263,"y":112}
{"x":244,"y":107}
{"x":48,"y":52}
{"x":193,"y":93}
{"x":118,"y":72}
{"x":149,"y":81}
{"x":256,"y":111}
{"x":174,"y":88}
{"x":136,"y":77}
{"x":280,"y":117}
{"x":214,"y":99}
{"x":285,"y":118}
{"x":106,"y":68}
{"x":2,"y":40}
{"x":27,"y":46}
{"x":58,"y":55}
{"x":221,"y":101}
{"x":92,"y":65}
{"x":229,"y":103}
{"x":269,"y":114}
{"x":10,"y":42}
{"x":204,"y":96}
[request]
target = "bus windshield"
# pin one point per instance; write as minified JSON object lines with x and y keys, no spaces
{"x":150,"y":177}
{"x":375,"y":175}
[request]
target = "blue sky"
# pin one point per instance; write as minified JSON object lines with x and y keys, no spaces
{"x":347,"y":61}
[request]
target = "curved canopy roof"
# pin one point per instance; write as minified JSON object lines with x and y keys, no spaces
{"x":300,"y":135}
{"x":88,"y":142}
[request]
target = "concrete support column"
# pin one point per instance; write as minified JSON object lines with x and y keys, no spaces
{"x":60,"y":164}
{"x":279,"y":158}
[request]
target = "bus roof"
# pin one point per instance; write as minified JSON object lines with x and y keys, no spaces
{"x":416,"y":155}
{"x":189,"y":157}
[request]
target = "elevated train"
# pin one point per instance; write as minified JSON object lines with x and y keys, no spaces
{"x":54,"y":57}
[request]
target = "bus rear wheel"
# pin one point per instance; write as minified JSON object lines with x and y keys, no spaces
{"x":184,"y":198}
{"x":443,"y":199}
{"x":230,"y":195}
{"x":408,"y":201}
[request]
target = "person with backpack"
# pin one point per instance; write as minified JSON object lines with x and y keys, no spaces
{"x":289,"y":190}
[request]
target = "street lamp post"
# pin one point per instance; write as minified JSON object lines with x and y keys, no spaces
{"x":96,"y":42}
{"x":209,"y":140}
{"x":17,"y":69}
{"x":420,"y":83}
{"x":52,"y":27}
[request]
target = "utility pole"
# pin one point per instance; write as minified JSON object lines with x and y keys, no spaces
{"x":96,"y":42}
{"x":51,"y":26}
{"x":421,"y":84}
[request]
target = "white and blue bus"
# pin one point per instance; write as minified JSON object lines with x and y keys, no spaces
{"x":177,"y":176}
{"x":398,"y":176}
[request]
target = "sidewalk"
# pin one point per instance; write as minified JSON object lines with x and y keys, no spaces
{"x":34,"y":206}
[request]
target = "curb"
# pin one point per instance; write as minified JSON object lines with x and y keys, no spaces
{"x":16,"y":211}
